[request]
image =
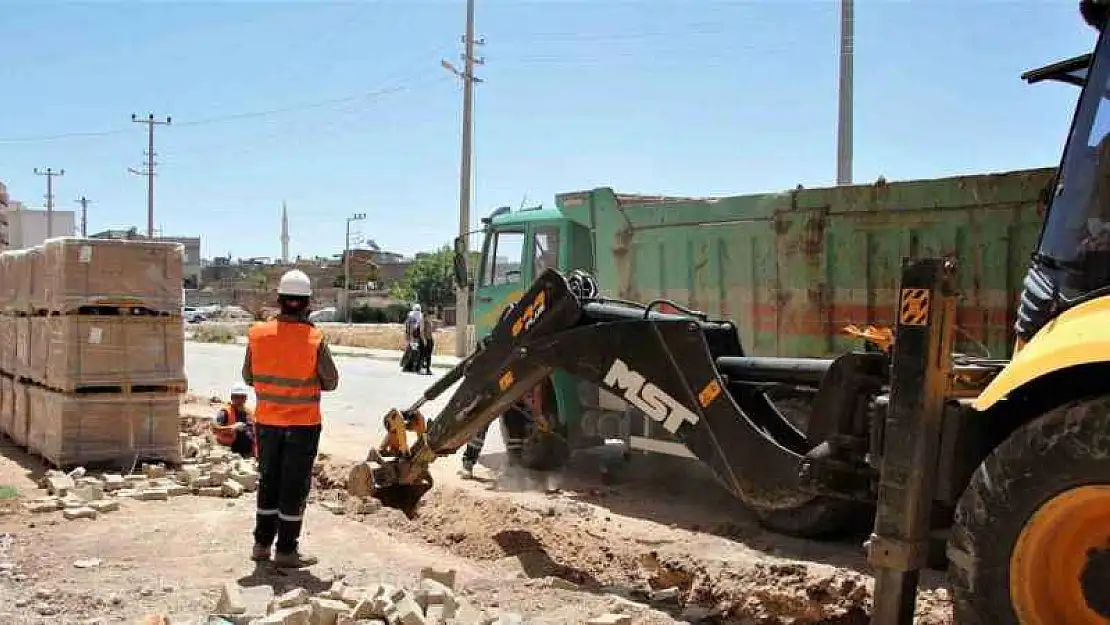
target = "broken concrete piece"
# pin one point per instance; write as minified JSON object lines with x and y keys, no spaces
{"x":59,"y":485}
{"x":333,"y":507}
{"x":79,"y":513}
{"x":113,"y":481}
{"x":365,"y":506}
{"x":291,"y":599}
{"x":610,"y":619}
{"x":210,"y":491}
{"x":230,"y":601}
{"x":232,"y":489}
{"x":104,"y":505}
{"x":43,"y":505}
{"x":247,"y":479}
{"x":299,"y":615}
{"x":88,"y":493}
{"x":326,"y":611}
{"x":443,"y":576}
{"x":177,"y":490}
{"x":152,"y":494}
{"x":154,"y":471}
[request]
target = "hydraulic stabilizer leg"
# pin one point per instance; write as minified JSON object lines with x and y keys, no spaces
{"x":920,"y":374}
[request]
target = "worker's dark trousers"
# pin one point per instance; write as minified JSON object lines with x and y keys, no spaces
{"x":516,"y":426}
{"x":426,"y":347}
{"x":285,"y":459}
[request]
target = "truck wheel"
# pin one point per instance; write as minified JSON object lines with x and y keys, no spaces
{"x":820,"y":517}
{"x":1030,"y":541}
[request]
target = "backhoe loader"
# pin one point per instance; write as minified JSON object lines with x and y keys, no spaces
{"x":1007,"y":463}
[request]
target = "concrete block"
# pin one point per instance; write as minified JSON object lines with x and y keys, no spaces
{"x":366,"y":609}
{"x":326,"y":611}
{"x":436,"y":594}
{"x":113,"y":482}
{"x":333,"y":507}
{"x":291,"y":599}
{"x":59,"y":485}
{"x":406,"y":612}
{"x":247,"y":479}
{"x":443,"y":576}
{"x":152,"y":494}
{"x":79,"y":513}
{"x":178,"y":490}
{"x":188,"y":475}
{"x":232,"y":489}
{"x":211,"y":491}
{"x":300,"y":615}
{"x":43,"y":505}
{"x":434,"y":615}
{"x":88,"y":493}
{"x":230,"y":601}
{"x":611,"y":618}
{"x":153,"y":471}
{"x":104,"y":505}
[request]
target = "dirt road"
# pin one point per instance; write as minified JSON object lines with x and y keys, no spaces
{"x":663,"y":544}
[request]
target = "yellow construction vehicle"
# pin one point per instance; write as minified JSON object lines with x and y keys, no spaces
{"x":1006,"y":464}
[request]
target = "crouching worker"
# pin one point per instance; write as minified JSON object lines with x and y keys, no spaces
{"x":289,"y":364}
{"x":235,"y":424}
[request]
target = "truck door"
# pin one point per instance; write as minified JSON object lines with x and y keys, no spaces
{"x":502,"y":280}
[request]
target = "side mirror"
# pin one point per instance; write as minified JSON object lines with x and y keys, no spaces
{"x":462,"y":274}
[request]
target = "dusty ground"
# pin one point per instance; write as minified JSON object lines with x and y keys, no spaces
{"x":660,"y":542}
{"x":373,"y":336}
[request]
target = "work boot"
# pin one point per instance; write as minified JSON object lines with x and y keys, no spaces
{"x":295,"y":560}
{"x":260,"y":553}
{"x":467,"y":470}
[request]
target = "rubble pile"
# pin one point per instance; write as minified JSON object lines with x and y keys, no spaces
{"x":433,"y":602}
{"x":207,"y":470}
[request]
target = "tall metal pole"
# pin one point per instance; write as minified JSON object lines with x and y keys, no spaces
{"x":149,"y":173}
{"x":844,"y":121}
{"x":50,"y":173}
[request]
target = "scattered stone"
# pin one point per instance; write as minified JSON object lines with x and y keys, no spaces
{"x":146,"y":591}
{"x":299,"y":615}
{"x":39,"y":506}
{"x":326,"y":611}
{"x":666,"y":595}
{"x":333,"y":506}
{"x":72,"y":514}
{"x":45,"y":592}
{"x":247,"y":479}
{"x":230,"y":601}
{"x":154,"y":471}
{"x":232,"y":489}
{"x":77,"y":473}
{"x":291,"y":599}
{"x":46,"y":609}
{"x":611,"y":618}
{"x":59,"y":485}
{"x":152,"y":494}
{"x":560,"y":583}
{"x":177,"y":490}
{"x":443,"y":576}
{"x":90,"y":563}
{"x":210,"y":491}
{"x":366,"y":505}
{"x":88,"y":493}
{"x":113,"y":482}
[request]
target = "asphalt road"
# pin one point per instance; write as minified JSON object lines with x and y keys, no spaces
{"x":353,"y":413}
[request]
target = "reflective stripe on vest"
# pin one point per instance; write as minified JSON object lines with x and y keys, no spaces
{"x":283,"y":364}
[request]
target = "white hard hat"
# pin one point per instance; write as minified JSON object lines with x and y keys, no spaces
{"x":296,"y":283}
{"x":416,"y":307}
{"x":239,"y":389}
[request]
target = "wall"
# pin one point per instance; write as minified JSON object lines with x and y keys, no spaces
{"x":27,"y":228}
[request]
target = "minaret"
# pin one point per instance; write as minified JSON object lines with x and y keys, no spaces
{"x":284,"y":235}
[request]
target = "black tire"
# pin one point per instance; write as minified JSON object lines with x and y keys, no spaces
{"x":820,"y":517}
{"x":1063,"y":449}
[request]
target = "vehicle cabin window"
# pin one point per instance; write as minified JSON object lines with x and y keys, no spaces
{"x":545,"y":251}
{"x":503,"y":259}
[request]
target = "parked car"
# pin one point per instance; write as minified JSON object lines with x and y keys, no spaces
{"x":192,"y":315}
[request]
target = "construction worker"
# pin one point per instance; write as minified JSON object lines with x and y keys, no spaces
{"x":516,"y":419}
{"x":235,"y":423}
{"x":288,"y":364}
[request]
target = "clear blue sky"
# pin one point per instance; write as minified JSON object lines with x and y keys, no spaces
{"x":702,"y":97}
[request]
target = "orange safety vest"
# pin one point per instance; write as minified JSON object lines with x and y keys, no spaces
{"x":283,"y":364}
{"x":227,"y":436}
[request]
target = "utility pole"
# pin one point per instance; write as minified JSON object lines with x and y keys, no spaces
{"x":84,"y":202}
{"x":347,"y":265}
{"x":50,"y":173}
{"x":844,"y":121}
{"x":149,"y":171}
{"x":462,"y":294}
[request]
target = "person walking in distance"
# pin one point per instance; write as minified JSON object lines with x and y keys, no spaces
{"x":427,"y":344}
{"x":289,"y":364}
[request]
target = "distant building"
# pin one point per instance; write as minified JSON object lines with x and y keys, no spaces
{"x":27,"y":227}
{"x":192,"y":260}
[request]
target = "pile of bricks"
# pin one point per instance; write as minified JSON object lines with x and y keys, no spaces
{"x":92,"y":350}
{"x":209,"y":471}
{"x":433,"y":602}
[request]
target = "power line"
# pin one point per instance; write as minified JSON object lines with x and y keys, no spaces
{"x":150,"y":122}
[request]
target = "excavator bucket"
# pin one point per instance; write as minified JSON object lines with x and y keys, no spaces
{"x":379,"y":479}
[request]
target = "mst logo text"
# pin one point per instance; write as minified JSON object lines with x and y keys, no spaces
{"x":649,"y":398}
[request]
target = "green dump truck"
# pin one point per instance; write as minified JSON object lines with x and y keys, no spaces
{"x":790,"y":269}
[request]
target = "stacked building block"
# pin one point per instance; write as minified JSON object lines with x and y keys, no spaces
{"x":92,"y":350}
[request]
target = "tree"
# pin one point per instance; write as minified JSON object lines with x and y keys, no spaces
{"x":428,"y":279}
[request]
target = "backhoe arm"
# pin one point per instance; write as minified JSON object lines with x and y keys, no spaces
{"x":662,"y":364}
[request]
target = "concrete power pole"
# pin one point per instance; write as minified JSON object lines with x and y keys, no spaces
{"x":844,"y":122}
{"x":84,"y":202}
{"x":149,"y":171}
{"x":462,"y":295}
{"x":50,"y":173}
